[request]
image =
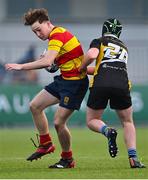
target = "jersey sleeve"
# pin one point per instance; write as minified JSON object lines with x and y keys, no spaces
{"x":95,"y":43}
{"x":55,"y":42}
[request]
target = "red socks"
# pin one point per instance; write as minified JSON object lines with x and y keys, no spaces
{"x":45,"y":139}
{"x":66,"y":155}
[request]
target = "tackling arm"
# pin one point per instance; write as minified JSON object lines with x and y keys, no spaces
{"x":89,"y":57}
{"x":90,"y":70}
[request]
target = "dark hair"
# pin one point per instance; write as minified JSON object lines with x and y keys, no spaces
{"x":34,"y":15}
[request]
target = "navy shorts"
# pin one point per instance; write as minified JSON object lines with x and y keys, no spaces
{"x":100,"y":96}
{"x":69,"y":92}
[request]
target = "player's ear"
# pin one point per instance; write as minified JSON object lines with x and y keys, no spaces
{"x":48,"y":23}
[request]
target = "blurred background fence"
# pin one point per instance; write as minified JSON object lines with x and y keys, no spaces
{"x":84,"y":18}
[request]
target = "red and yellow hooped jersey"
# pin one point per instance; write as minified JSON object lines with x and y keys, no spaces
{"x":70,"y":52}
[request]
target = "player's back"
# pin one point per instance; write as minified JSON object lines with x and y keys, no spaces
{"x":111,"y":68}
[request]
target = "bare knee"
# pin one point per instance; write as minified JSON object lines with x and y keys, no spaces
{"x":126,"y":121}
{"x":34,"y":108}
{"x":60,"y":119}
{"x":126,"y":116}
{"x":58,"y":124}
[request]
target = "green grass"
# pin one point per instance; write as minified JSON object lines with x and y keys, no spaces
{"x":90,"y":153}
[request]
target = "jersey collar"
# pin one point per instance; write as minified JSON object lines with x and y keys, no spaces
{"x":112,"y":35}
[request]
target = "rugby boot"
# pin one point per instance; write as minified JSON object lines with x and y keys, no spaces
{"x":64,"y":163}
{"x":134,"y":163}
{"x":41,"y":151}
{"x":112,"y":145}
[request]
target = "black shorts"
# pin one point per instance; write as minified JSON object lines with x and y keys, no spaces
{"x":117,"y":98}
{"x":69,"y":92}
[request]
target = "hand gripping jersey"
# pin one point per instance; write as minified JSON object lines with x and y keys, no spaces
{"x":70,"y":53}
{"x":110,"y":70}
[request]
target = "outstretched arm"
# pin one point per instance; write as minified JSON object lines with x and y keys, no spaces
{"x":42,"y":62}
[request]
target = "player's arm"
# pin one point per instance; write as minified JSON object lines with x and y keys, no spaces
{"x":89,"y":57}
{"x":42,"y":62}
{"x":90,"y":70}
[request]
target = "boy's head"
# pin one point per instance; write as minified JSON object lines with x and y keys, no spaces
{"x":112,"y":26}
{"x":39,"y":21}
{"x":34,"y":15}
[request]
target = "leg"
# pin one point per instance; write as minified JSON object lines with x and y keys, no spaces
{"x":97,"y":102}
{"x":72,"y":94}
{"x":126,"y":117}
{"x":128,"y":127}
{"x":37,"y":105}
{"x":95,"y":123}
{"x":61,"y":117}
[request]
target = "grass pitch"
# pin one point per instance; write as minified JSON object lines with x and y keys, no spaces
{"x":90,"y":152}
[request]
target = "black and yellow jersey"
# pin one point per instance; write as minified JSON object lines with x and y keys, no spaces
{"x":110,"y":69}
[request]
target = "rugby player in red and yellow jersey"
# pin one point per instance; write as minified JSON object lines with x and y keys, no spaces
{"x":68,"y":89}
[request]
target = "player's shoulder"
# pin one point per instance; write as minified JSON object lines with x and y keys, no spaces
{"x":114,"y":40}
{"x":121,"y":43}
{"x":95,"y":42}
{"x":61,"y":29}
{"x":57,"y":30}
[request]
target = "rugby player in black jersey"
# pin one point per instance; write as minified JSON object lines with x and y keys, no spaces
{"x":110,"y":84}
